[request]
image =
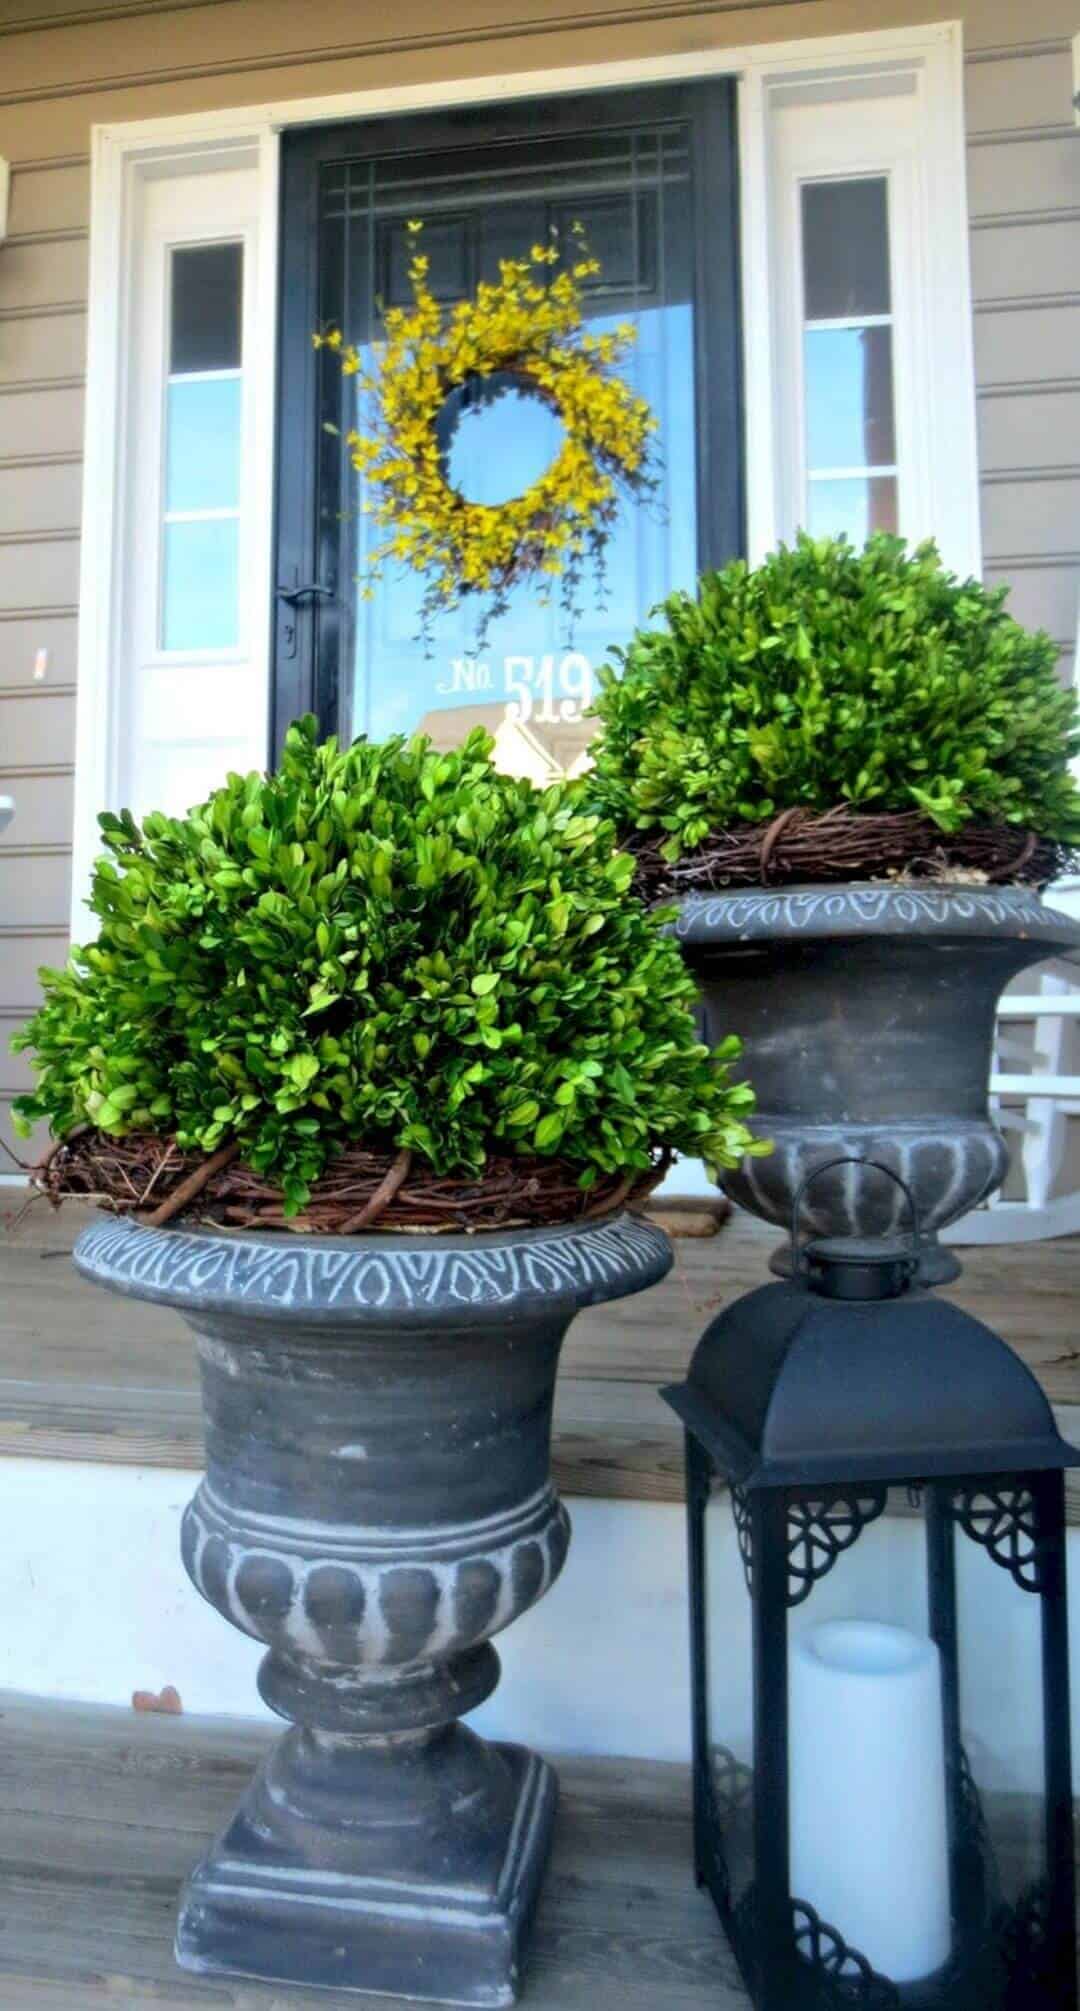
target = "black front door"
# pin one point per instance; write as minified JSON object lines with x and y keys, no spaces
{"x":650,"y":175}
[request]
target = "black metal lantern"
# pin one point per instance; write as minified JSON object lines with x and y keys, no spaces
{"x":882,"y":1768}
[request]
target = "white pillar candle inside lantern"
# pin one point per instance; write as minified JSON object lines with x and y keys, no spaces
{"x":869,"y":1848}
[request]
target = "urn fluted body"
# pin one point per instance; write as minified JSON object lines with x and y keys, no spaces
{"x":867,"y":1014}
{"x":377,"y":1505}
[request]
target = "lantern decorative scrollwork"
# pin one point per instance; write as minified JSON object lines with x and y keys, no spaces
{"x":1004,"y":1520}
{"x":821,"y":1528}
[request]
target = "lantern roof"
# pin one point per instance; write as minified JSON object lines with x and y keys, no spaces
{"x":789,"y":1386}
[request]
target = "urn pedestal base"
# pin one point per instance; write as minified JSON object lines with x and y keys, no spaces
{"x":377,"y":1505}
{"x":408,"y":1866}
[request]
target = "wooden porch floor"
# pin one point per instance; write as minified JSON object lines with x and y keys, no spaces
{"x":84,"y":1375}
{"x":102,"y":1813}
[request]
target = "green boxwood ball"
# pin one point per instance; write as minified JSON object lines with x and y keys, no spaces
{"x":383,"y":945}
{"x":830,"y":676}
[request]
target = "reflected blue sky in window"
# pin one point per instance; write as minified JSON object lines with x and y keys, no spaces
{"x":855,"y":506}
{"x":500,"y":448}
{"x":849,"y":402}
{"x":202,"y":464}
{"x":199,"y":592}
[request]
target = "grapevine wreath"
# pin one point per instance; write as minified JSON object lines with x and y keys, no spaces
{"x":525,"y":331}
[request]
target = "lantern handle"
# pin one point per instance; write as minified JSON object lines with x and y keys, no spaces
{"x":799,"y":1268}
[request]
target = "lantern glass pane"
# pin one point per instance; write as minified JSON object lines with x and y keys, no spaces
{"x":1002,"y":1724}
{"x":866,"y":1763}
{"x":729,"y":1690}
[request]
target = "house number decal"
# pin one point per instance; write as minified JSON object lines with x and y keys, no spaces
{"x":546,"y":688}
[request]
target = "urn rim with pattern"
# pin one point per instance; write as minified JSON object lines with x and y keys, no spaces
{"x":825,"y":912}
{"x":389,"y":1276}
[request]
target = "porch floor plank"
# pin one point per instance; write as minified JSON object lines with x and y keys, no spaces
{"x":102,"y":1812}
{"x":87,"y":1376}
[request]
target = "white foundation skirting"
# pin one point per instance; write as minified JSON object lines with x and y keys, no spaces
{"x":96,"y":1604}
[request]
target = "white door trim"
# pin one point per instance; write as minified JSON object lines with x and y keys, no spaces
{"x":123,"y":153}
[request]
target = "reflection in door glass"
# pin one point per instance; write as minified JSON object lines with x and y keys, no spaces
{"x":532,"y":681}
{"x":503,"y":440}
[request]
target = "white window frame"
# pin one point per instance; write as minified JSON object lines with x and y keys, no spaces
{"x":923,"y":63}
{"x":882,"y":129}
{"x":211,"y":703}
{"x":152,"y":188}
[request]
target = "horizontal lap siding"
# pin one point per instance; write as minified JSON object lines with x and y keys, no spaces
{"x":40,"y":492}
{"x":42,"y":365}
{"x":1024,"y":194}
{"x":65,"y":64}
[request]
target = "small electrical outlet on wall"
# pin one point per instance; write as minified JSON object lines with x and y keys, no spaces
{"x":5,"y":191}
{"x":1076,"y":78}
{"x":41,"y":665}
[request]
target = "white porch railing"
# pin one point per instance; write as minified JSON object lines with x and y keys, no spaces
{"x":1036,"y":1103}
{"x":1048,"y":1095}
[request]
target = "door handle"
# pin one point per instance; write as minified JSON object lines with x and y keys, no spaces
{"x":312,"y":591}
{"x":295,"y":597}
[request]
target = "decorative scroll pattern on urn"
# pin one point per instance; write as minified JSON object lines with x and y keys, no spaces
{"x":288,"y":1274}
{"x":349,"y":1599}
{"x":950,"y":1170}
{"x":827,"y":909}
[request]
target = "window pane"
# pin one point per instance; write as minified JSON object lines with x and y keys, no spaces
{"x":856,"y":505}
{"x":846,"y":248}
{"x":849,"y":398}
{"x":199,"y":600}
{"x":202,"y":467}
{"x":206,"y":285}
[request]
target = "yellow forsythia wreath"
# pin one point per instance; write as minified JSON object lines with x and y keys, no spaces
{"x":529,"y":325}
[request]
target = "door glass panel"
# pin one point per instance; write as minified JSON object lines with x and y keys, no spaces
{"x":200,"y":527}
{"x":205,"y":307}
{"x":846,"y":248}
{"x":849,"y":398}
{"x":199,"y":598}
{"x":855,"y":507}
{"x":488,"y":414}
{"x":533,"y":677}
{"x":202,"y":468}
{"x":852,"y":472}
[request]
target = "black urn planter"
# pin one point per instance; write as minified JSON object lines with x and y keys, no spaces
{"x":866,"y":1013}
{"x":377,"y":1504}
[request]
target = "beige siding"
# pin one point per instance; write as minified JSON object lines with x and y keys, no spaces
{"x":1024,"y":193}
{"x":41,"y":415}
{"x":51,"y":199}
{"x":21,"y":636}
{"x":65,"y":64}
{"x":39,"y":493}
